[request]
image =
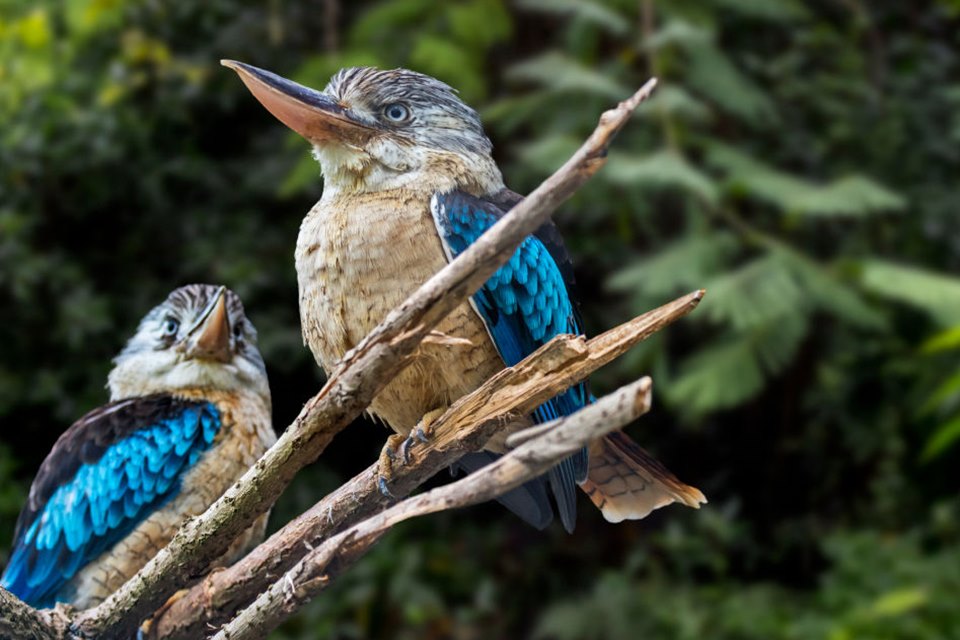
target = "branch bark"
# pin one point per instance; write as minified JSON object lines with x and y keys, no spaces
{"x":21,"y":621}
{"x":321,"y":566}
{"x":466,"y":426}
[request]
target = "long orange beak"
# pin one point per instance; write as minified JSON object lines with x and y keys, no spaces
{"x":311,"y":113}
{"x":210,"y":338}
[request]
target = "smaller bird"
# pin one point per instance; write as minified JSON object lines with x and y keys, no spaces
{"x":189,"y":413}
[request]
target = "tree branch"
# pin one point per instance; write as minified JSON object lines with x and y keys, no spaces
{"x":21,"y":621}
{"x":466,"y":426}
{"x":323,"y":565}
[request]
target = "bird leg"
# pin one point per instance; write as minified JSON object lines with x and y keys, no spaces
{"x":146,"y":627}
{"x":385,"y":464}
{"x":422,"y":432}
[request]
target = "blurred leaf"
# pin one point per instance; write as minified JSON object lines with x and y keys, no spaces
{"x":713,"y":75}
{"x":772,"y":10}
{"x":824,"y":289}
{"x":754,"y":294}
{"x":684,"y":265}
{"x":944,"y":437}
{"x":585,"y":10}
{"x":677,"y":33}
{"x":678,"y":103}
{"x":34,"y":29}
{"x":549,"y":152}
{"x":564,"y":74}
{"x":733,"y":368}
{"x":851,"y":196}
{"x":946,"y":340}
{"x":662,"y":169}
{"x":446,"y":60}
{"x":936,"y":294}
{"x":465,"y":16}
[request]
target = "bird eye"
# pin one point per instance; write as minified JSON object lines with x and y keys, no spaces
{"x":238,"y":330}
{"x":171,"y":326}
{"x":396,"y":112}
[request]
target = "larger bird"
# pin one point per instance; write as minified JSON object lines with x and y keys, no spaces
{"x":409,"y":183}
{"x":189,"y":413}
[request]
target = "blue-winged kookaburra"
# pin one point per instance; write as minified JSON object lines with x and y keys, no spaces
{"x":409,"y":183}
{"x":189,"y":413}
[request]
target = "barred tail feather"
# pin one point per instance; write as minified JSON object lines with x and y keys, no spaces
{"x":627,"y":483}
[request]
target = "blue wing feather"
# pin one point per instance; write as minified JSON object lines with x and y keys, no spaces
{"x":105,"y":475}
{"x":524,"y":304}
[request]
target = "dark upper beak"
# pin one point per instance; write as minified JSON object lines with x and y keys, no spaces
{"x":210,"y":337}
{"x":311,"y":113}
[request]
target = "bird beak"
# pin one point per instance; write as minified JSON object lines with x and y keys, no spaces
{"x":210,"y":337}
{"x":311,"y":113}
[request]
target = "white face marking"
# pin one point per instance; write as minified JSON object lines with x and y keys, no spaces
{"x":440,"y":139}
{"x":156,"y":359}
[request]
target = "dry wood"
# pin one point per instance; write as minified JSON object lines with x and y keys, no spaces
{"x":321,"y":566}
{"x":466,"y":426}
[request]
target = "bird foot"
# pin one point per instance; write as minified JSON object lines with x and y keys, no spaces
{"x":388,"y":456}
{"x":146,"y":630}
{"x":422,"y":433}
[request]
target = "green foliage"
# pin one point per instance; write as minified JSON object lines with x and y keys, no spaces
{"x":882,"y":587}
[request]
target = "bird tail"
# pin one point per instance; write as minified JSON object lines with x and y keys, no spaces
{"x":627,"y":483}
{"x":528,"y":501}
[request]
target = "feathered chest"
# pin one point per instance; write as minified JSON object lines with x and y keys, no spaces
{"x":357,"y":258}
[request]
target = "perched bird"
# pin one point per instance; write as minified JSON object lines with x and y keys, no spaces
{"x":409,"y":183}
{"x":189,"y":413}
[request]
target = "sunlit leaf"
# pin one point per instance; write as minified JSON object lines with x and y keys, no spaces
{"x":946,"y":340}
{"x":945,"y":436}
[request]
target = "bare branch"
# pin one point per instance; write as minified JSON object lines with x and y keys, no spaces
{"x":324,"y":564}
{"x":466,"y":426}
{"x":21,"y":621}
{"x":361,"y":374}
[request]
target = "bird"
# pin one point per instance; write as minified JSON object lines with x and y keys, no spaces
{"x":409,"y":182}
{"x":189,"y":413}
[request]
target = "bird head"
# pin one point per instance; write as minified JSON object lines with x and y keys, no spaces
{"x":374,"y":129}
{"x":198,"y":338}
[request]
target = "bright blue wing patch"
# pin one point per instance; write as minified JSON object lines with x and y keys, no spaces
{"x":524,"y":305}
{"x":105,"y":500}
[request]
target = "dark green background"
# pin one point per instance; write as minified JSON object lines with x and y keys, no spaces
{"x":800,"y":161}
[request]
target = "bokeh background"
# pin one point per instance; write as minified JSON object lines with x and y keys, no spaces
{"x":800,"y":161}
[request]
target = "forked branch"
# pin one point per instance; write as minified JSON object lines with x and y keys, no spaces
{"x":320,"y":567}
